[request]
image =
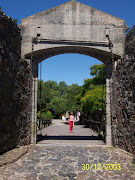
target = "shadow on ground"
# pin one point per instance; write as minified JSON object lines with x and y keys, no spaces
{"x":71,"y":136}
{"x":41,"y":138}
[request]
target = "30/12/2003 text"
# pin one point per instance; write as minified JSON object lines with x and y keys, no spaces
{"x":101,"y":167}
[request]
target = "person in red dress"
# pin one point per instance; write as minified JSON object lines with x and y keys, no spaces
{"x":71,"y":122}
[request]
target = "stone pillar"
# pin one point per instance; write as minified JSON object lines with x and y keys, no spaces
{"x":34,"y":103}
{"x":108,"y":105}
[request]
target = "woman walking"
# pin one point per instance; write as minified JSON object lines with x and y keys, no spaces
{"x":71,"y":122}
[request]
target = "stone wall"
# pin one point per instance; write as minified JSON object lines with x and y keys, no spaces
{"x":15,"y":92}
{"x":77,"y":27}
{"x":14,"y":86}
{"x":125,"y":73}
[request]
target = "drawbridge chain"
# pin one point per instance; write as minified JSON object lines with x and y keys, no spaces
{"x":117,"y":96}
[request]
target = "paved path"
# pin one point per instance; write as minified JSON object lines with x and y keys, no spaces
{"x":58,"y":133}
{"x":65,"y":161}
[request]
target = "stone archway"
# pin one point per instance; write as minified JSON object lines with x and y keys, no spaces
{"x":73,"y":28}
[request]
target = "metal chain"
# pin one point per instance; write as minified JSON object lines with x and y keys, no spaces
{"x":117,"y":96}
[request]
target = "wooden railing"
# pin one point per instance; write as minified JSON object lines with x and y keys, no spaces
{"x":95,"y":125}
{"x":43,"y":123}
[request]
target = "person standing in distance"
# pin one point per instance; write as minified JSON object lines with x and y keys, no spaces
{"x":71,"y":122}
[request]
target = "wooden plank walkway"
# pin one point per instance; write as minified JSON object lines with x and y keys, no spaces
{"x":58,"y":133}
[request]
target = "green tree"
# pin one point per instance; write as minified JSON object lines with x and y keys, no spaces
{"x":53,"y":97}
{"x":86,"y":87}
{"x":93,"y":100}
{"x":58,"y":106}
{"x":62,"y":88}
{"x":72,"y":104}
{"x":48,"y":90}
{"x":57,"y":98}
{"x":45,"y":114}
{"x":99,"y":73}
{"x":92,"y":96}
{"x":52,"y":85}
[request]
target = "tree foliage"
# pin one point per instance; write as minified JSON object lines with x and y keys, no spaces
{"x":93,"y":100}
{"x":57,"y":98}
{"x":99,"y":73}
{"x":92,"y":96}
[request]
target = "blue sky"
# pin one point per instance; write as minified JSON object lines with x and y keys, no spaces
{"x":71,"y":68}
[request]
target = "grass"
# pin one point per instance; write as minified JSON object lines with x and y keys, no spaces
{"x":101,"y":133}
{"x":110,"y":147}
{"x":55,"y":178}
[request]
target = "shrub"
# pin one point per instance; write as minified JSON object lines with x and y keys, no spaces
{"x":45,"y":114}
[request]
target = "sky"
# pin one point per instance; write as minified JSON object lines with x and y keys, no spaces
{"x":71,"y":68}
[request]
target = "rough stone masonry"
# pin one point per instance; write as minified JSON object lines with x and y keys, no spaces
{"x":14,"y":86}
{"x":125,"y":73}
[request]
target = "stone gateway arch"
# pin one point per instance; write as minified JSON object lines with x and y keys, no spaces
{"x":73,"y":27}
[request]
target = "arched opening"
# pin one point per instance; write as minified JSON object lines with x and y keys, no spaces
{"x":78,"y":65}
{"x":73,"y":28}
{"x":42,"y":54}
{"x":39,"y":58}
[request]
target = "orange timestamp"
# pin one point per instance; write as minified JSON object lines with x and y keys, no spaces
{"x":101,"y":167}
